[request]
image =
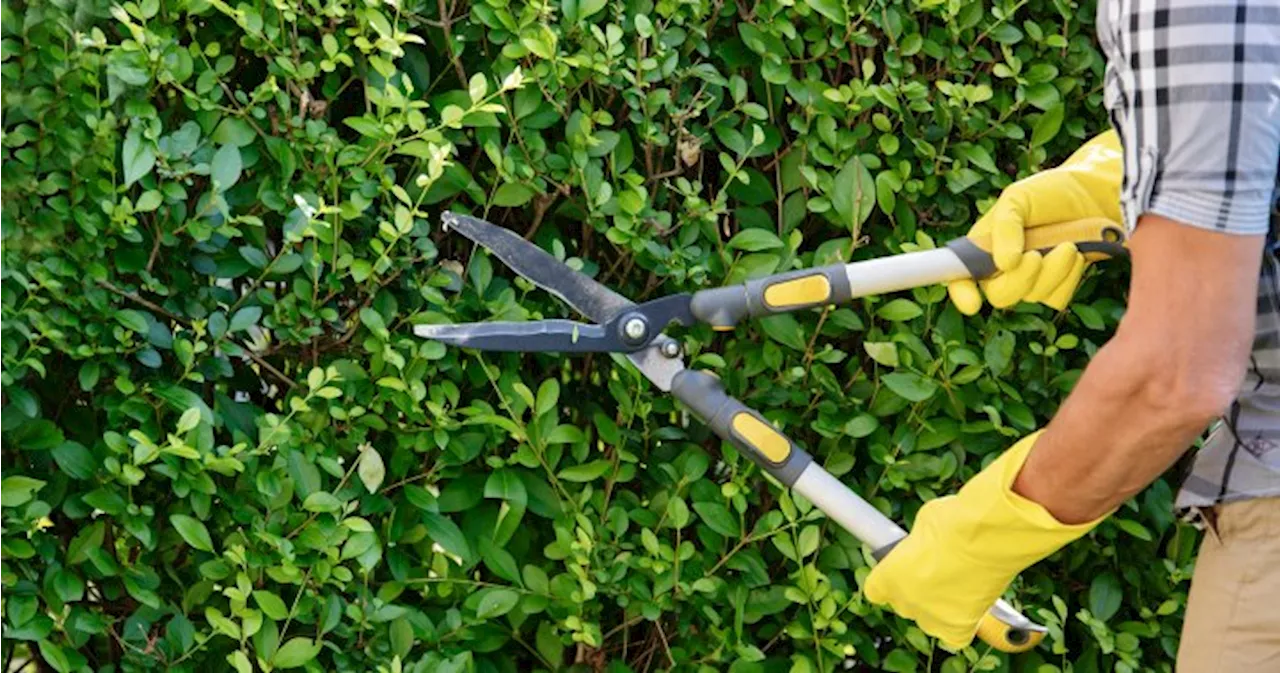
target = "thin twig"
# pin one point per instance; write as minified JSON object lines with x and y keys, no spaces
{"x":268,"y":366}
{"x":155,"y":248}
{"x":665,"y":645}
{"x":446,"y":21}
{"x":131,"y":296}
{"x":107,"y":285}
{"x":666,"y":174}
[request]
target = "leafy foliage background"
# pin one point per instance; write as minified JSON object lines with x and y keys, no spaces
{"x":224,"y":449}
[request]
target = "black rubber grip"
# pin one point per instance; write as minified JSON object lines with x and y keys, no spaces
{"x":978,"y":261}
{"x":879,"y":554}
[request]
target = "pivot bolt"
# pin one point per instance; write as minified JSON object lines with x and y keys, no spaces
{"x":670,"y":349}
{"x":635,"y":329}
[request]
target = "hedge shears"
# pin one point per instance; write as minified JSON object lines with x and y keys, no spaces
{"x":622,"y":326}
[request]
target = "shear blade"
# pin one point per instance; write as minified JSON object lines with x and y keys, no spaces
{"x":576,"y":289}
{"x":562,"y":336}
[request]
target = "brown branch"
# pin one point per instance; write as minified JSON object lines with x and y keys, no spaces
{"x":131,"y":296}
{"x":540,"y":207}
{"x":155,"y":248}
{"x":665,"y":645}
{"x":346,"y":336}
{"x":267,"y":366}
{"x":666,"y":174}
{"x":145,"y":302}
{"x":446,"y":21}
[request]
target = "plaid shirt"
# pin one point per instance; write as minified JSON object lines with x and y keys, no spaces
{"x":1193,"y":90}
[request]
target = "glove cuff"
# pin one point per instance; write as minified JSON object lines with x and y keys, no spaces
{"x":1007,"y":528}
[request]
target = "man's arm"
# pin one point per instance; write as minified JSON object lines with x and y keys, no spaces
{"x":1174,"y":365}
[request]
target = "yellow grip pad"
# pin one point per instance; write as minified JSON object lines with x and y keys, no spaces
{"x":798,"y":291}
{"x":995,"y":633}
{"x":769,"y":442}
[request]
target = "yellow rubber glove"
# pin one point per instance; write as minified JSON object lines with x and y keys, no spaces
{"x":1086,"y":185}
{"x":965,"y":549}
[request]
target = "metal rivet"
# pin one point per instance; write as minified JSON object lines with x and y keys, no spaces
{"x":634,"y":329}
{"x":671,"y":349}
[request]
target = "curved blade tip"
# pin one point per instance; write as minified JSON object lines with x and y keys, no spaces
{"x":433,"y":331}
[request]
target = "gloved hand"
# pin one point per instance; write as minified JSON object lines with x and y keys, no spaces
{"x":965,"y":549}
{"x":1086,"y":185}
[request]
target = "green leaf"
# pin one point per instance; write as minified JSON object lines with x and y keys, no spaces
{"x":442,"y":529}
{"x":1089,"y":316}
{"x":754,"y":240}
{"x":978,"y":156}
{"x":374,"y":322}
{"x":910,"y":386}
{"x":193,"y":531}
{"x":89,"y":374}
{"x":505,"y":484}
{"x":899,"y":660}
{"x":18,"y":490}
{"x":587,"y":8}
{"x":718,"y":518}
{"x":133,"y":320}
{"x":371,"y":469}
{"x":369,"y":128}
{"x":68,"y":585}
{"x":421,"y":498}
{"x":549,"y":644}
{"x":496,"y":602}
{"x":512,"y":194}
{"x":644,"y":26}
{"x":539,"y":40}
{"x":401,"y":636}
{"x":900,"y":310}
{"x":322,"y":501}
{"x":1105,"y":596}
{"x":296,"y":652}
{"x":272,"y":605}
{"x":833,"y":10}
{"x":999,"y":351}
{"x":86,"y":541}
{"x":190,"y":419}
{"x":55,"y":657}
{"x":138,"y":155}
{"x":884,"y":352}
{"x":226,"y":166}
{"x":853,"y":195}
{"x":1133,"y":528}
{"x":1046,"y":127}
{"x":244,"y":319}
{"x":1043,"y":96}
{"x":148,"y":202}
{"x":1006,"y":34}
{"x":548,"y":396}
{"x":74,"y":460}
{"x":861,"y":426}
{"x":233,"y":131}
{"x":785,"y":329}
{"x":586,"y":472}
{"x":240,"y":661}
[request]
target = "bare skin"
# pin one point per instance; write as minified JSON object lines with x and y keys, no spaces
{"x":1174,"y":365}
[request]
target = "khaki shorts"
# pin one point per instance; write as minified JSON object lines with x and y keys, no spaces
{"x":1233,"y":612}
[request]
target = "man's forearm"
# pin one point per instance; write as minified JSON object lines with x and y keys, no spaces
{"x":1114,"y":435}
{"x":1173,"y":366}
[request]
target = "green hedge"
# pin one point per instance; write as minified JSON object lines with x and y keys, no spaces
{"x":223,"y":449}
